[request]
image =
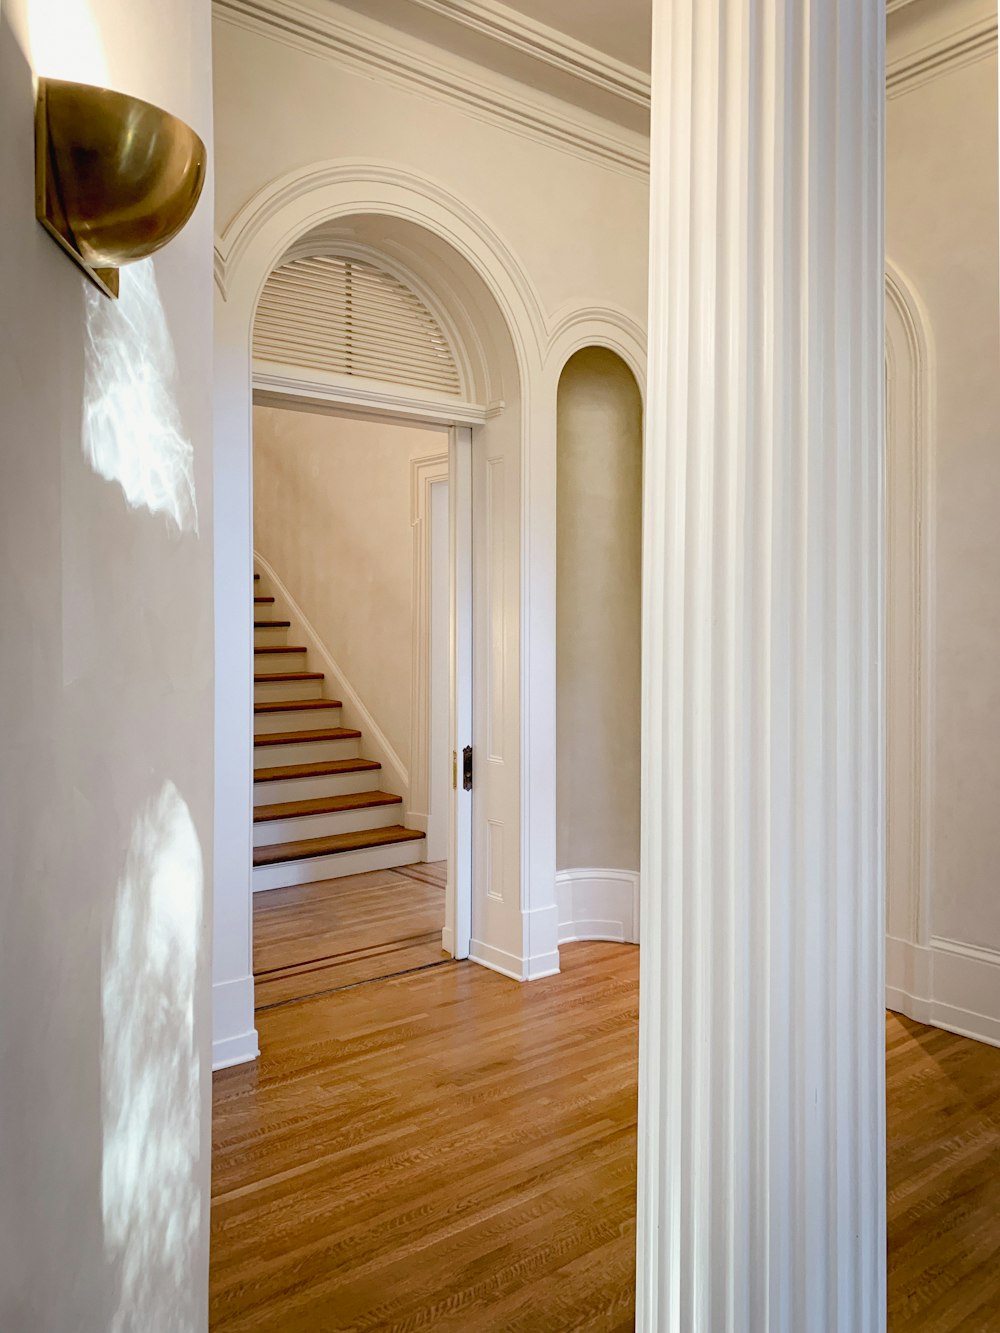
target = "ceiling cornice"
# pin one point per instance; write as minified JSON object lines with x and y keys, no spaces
{"x":977,"y":41}
{"x":360,"y":45}
{"x":548,"y":45}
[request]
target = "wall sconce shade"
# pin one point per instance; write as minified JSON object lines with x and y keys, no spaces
{"x":115,"y":178}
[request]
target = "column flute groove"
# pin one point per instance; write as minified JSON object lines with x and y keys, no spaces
{"x":761,"y":1205}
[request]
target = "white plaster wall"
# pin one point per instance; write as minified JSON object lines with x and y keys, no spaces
{"x":106,"y":792}
{"x":332,"y":518}
{"x":942,"y":227}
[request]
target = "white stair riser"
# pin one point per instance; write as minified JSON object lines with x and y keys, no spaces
{"x":287,"y":689}
{"x":320,"y":826}
{"x":338,"y":865}
{"x":308,"y":752}
{"x":262,"y":638}
{"x":265,"y":724}
{"x":306,"y":789}
{"x":280,"y":662}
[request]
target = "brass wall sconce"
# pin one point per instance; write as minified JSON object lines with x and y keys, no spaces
{"x":115,"y":178}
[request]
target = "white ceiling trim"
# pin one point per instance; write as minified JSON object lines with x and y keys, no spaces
{"x":358,"y":45}
{"x":978,"y":41}
{"x":550,"y":46}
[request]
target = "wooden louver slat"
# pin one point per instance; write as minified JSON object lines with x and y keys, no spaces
{"x":348,"y":317}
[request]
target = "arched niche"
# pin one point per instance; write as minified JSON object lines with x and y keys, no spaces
{"x":598,"y":645}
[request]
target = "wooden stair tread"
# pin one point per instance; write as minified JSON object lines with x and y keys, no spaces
{"x":306,"y":848}
{"x":320,"y":768}
{"x":257,"y":600}
{"x":256,"y":577}
{"x":267,"y":677}
{"x":300,"y":737}
{"x":272,"y":624}
{"x":294,"y":705}
{"x":324,"y":805}
{"x":281,"y":648}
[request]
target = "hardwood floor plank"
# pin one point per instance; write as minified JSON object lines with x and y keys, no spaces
{"x":454,"y":1151}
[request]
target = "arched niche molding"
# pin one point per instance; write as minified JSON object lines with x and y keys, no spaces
{"x":577,"y":327}
{"x":909,"y":545}
{"x":274,"y":221}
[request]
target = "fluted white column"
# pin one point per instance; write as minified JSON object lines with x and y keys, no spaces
{"x":762,"y":1180}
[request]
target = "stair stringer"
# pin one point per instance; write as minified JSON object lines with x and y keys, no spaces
{"x":395,"y":777}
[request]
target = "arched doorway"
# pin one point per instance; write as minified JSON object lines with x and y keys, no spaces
{"x":484,"y":304}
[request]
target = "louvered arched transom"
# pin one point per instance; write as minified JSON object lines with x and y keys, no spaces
{"x":348,"y":317}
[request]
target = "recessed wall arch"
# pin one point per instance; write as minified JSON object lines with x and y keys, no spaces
{"x":910,"y":426}
{"x":599,"y":640}
{"x":275,"y":220}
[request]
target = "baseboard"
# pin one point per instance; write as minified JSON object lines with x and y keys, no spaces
{"x":946,"y":984}
{"x":231,"y":1051}
{"x":597,"y":904}
{"x":396,"y":778}
{"x":234,"y":1042}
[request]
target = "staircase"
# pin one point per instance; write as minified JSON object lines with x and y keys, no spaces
{"x":319,"y":808}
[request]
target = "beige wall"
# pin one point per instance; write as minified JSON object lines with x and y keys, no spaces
{"x":942,"y":235}
{"x":599,"y":560}
{"x":332,"y":517}
{"x":106,"y":712}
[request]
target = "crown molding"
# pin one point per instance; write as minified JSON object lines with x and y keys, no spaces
{"x":977,"y":41}
{"x":360,"y":47}
{"x":548,"y":45}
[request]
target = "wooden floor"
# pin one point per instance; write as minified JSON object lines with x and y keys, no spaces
{"x":449,"y":1150}
{"x":316,"y":938}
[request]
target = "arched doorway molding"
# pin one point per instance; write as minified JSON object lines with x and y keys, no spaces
{"x":270,"y":224}
{"x":910,"y":435}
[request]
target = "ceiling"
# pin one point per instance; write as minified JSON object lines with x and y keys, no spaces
{"x":619,"y":28}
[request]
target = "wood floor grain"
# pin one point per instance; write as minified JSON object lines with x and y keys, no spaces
{"x":453,"y":1151}
{"x":449,"y":1150}
{"x":943,"y":1104}
{"x":312,"y":939}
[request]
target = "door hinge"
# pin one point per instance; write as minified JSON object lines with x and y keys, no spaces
{"x":467,"y":768}
{"x":454,"y":770}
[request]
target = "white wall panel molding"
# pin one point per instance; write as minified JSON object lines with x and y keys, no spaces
{"x":424,"y":473}
{"x":360,"y":45}
{"x":910,"y":527}
{"x":395,"y":774}
{"x":762,"y":1079}
{"x":541,"y":42}
{"x":946,"y":983}
{"x":976,"y":41}
{"x":598,"y":905}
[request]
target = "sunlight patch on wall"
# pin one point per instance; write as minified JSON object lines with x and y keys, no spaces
{"x":150,"y":1072}
{"x":65,"y":42}
{"x":132,"y":430}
